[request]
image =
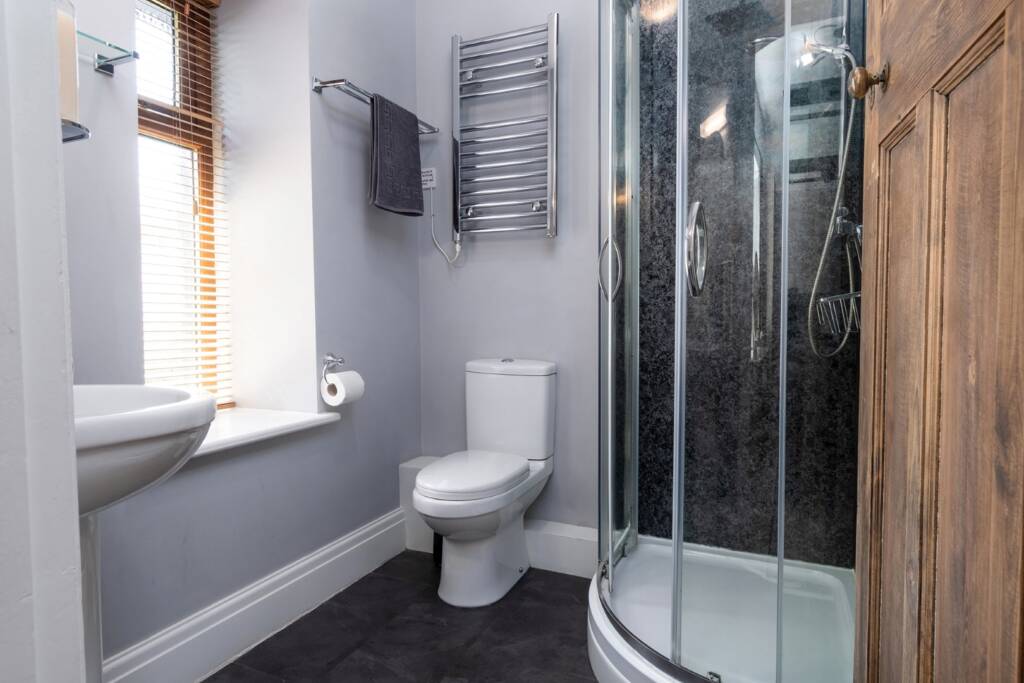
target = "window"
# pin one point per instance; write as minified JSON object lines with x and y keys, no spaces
{"x":185,"y":249}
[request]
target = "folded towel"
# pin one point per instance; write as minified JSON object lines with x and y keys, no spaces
{"x":395,"y":183}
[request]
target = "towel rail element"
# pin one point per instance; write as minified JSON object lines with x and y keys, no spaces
{"x":505,"y":176}
{"x":508,"y":202}
{"x":497,"y":37}
{"x":506,"y":150}
{"x":510,"y":228}
{"x":491,"y":158}
{"x":506,"y":164}
{"x":502,"y":91}
{"x":501,"y":65}
{"x":501,"y":138}
{"x":504,"y":50}
{"x":470,"y":79}
{"x":365,"y":96}
{"x":505,"y":190}
{"x":504,"y":124}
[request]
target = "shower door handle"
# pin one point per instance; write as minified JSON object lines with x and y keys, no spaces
{"x":696,"y":249}
{"x":618,"y":269}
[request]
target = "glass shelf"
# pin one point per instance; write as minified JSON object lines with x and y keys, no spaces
{"x":107,"y":55}
{"x":72,"y":131}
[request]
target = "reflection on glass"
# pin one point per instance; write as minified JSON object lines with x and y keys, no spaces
{"x":158,"y":65}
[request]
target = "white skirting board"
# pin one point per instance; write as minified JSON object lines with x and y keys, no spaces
{"x":563,"y":548}
{"x":201,"y":643}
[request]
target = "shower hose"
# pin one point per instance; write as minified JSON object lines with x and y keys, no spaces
{"x":824,"y":253}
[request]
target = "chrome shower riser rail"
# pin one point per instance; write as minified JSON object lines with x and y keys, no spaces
{"x":528,"y":150}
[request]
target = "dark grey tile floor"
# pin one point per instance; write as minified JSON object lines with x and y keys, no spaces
{"x":391,"y":626}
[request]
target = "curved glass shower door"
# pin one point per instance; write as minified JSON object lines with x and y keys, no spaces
{"x":728,"y":447}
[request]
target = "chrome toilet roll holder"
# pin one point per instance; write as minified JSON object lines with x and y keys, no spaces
{"x":331,"y":362}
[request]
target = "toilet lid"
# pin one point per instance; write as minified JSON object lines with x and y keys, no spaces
{"x":471,"y":475}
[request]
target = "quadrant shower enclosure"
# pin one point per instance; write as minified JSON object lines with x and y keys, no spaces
{"x":729,"y":284}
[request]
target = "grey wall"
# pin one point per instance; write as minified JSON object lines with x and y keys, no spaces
{"x":519,"y":295}
{"x":384,"y":300}
{"x":367,"y":304}
{"x":229,"y":519}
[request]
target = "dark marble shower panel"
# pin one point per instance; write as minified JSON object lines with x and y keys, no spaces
{"x":656,"y":275}
{"x":732,"y":340}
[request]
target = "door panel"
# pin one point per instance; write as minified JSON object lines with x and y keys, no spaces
{"x":977,"y":571}
{"x":942,"y":392}
{"x":905,"y":229}
{"x":920,"y":39}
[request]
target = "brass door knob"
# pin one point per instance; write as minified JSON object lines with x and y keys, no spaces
{"x":861,"y":81}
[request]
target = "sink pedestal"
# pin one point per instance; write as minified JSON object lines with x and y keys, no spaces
{"x":88,"y":530}
{"x":127,"y":438}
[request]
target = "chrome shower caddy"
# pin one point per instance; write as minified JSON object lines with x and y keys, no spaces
{"x":505,"y":169}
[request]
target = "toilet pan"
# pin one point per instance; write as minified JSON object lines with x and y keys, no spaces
{"x":484,"y":541}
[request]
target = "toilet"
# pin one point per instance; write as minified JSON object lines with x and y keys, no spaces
{"x":476,"y":498}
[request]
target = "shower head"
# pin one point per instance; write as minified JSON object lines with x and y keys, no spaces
{"x":813,"y":52}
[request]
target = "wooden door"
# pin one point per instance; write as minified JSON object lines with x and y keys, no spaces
{"x":941,"y":512}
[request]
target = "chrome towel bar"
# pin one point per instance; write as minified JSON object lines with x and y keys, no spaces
{"x":352,"y":90}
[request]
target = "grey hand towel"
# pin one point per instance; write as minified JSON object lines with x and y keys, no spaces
{"x":395,"y":183}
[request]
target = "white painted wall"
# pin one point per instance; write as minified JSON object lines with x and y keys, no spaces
{"x":40,"y":590}
{"x":520,"y":295}
{"x":102,"y":196}
{"x":265,"y":104}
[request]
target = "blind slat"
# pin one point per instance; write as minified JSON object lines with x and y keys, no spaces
{"x":184,"y":241}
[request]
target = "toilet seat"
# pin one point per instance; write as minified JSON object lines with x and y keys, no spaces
{"x":539,"y":471}
{"x":472,"y":475}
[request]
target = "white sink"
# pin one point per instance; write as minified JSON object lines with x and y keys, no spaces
{"x":130,"y":437}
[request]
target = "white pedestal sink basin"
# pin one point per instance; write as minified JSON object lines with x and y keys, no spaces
{"x":128,"y":437}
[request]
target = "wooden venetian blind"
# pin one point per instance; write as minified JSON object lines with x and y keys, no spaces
{"x":185,"y":246}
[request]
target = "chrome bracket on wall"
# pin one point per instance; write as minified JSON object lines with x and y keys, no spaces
{"x":331,"y":362}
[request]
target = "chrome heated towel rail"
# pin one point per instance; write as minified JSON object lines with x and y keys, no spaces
{"x":505,"y":168}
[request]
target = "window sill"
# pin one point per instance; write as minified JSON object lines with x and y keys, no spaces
{"x":235,"y":427}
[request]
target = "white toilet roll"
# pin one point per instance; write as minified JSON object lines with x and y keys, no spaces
{"x":342,"y":387}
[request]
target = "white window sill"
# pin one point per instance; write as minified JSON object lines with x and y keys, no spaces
{"x":240,"y":426}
